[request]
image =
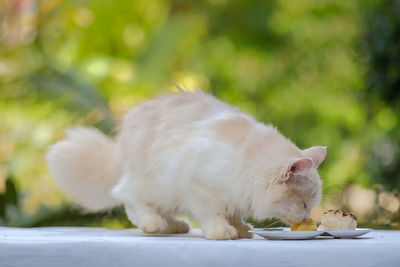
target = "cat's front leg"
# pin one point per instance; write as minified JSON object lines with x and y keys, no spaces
{"x":208,"y":211}
{"x":241,"y":227}
{"x":146,"y":219}
{"x":217,"y":228}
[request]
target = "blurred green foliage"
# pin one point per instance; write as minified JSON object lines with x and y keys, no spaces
{"x":380,"y":45}
{"x":323,"y":72}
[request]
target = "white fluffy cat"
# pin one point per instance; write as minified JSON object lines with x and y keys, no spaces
{"x":189,"y":153}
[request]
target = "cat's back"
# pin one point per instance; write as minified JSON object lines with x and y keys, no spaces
{"x":167,"y":130}
{"x":162,"y":125}
{"x":176,"y":110}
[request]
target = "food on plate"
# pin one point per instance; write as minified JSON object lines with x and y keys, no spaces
{"x":305,"y":225}
{"x":338,"y":220}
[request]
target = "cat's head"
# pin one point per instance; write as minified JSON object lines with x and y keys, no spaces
{"x":296,"y":189}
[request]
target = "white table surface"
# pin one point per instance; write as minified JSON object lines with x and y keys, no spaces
{"x":73,"y":246}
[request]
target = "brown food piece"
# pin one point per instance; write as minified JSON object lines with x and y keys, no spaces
{"x":306,"y":225}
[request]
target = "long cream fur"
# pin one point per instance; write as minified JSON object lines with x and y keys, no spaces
{"x":189,"y":153}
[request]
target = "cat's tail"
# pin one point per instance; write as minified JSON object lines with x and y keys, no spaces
{"x":85,"y":167}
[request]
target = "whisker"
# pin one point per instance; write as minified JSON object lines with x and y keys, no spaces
{"x":273,"y":223}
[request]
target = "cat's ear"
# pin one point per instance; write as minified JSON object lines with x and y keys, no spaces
{"x":298,"y":166}
{"x":316,"y":153}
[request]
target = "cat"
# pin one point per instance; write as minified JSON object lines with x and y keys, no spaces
{"x":189,"y":153}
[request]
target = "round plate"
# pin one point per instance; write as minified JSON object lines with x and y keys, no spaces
{"x":285,"y":233}
{"x":347,"y":233}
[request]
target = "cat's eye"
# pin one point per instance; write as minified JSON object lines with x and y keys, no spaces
{"x":305,"y":206}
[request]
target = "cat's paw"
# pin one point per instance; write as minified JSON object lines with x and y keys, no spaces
{"x":152,"y":223}
{"x":243,"y":230}
{"x":177,"y":226}
{"x":221,"y":232}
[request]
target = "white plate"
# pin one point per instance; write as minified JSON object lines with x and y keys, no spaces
{"x":285,"y":233}
{"x":347,"y":233}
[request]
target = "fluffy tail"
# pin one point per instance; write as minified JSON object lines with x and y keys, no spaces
{"x":85,"y":167}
